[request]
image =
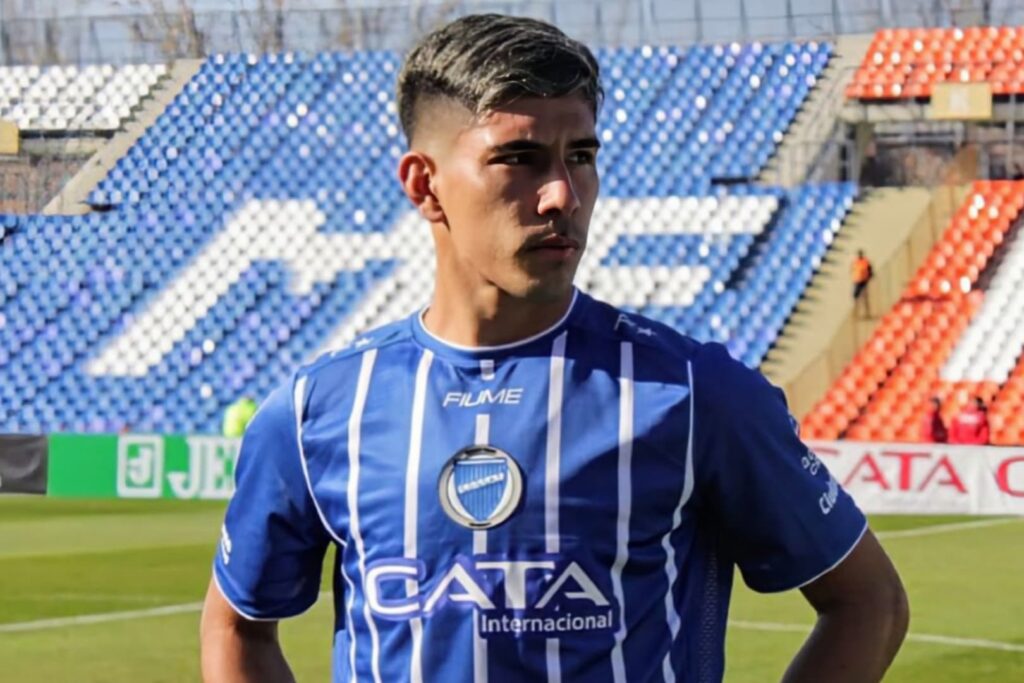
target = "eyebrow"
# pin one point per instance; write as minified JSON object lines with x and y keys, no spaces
{"x":523,"y":145}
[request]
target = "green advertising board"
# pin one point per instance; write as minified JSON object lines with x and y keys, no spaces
{"x":142,"y":466}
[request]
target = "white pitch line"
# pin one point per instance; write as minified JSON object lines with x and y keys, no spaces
{"x":84,"y":619}
{"x":978,"y":643}
{"x":945,"y":528}
{"x":187,"y":607}
{"x":184,"y":608}
{"x":92,"y":597}
{"x":967,"y":642}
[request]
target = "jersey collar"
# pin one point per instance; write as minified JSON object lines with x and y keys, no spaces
{"x":452,"y":351}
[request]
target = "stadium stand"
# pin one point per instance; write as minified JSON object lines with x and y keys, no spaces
{"x":954,"y":334}
{"x":257,"y":222}
{"x":68,"y":98}
{"x":905,"y":63}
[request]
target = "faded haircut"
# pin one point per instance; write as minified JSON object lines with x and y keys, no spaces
{"x":486,"y":61}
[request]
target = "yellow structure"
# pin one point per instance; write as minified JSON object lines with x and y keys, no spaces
{"x":961,"y":102}
{"x":10,"y":138}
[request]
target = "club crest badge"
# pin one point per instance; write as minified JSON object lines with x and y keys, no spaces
{"x":480,"y":487}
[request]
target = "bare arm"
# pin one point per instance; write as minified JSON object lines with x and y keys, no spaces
{"x":237,"y":650}
{"x":862,"y":618}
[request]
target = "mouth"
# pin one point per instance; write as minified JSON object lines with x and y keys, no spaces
{"x":555,"y":243}
{"x":554,"y":249}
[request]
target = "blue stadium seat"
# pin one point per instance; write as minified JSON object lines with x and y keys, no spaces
{"x":265,"y":130}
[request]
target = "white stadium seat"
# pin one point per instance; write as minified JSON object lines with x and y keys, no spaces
{"x":90,"y":98}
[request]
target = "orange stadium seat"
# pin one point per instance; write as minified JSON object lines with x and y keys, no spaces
{"x":899,"y":368}
{"x":928,"y":56}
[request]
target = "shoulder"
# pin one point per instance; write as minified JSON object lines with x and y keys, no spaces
{"x":718,"y":381}
{"x":663,"y":352}
{"x":339,"y":363}
{"x":730,"y":393}
{"x":331,"y":377}
{"x":652,"y":338}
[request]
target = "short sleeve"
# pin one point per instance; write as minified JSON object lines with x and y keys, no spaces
{"x":272,"y":545}
{"x":781,"y":515}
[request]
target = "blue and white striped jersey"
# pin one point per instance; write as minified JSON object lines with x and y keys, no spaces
{"x":566,"y":508}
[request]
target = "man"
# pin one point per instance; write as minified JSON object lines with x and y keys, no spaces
{"x":970,"y":425}
{"x":861,"y":273}
{"x":525,"y":484}
{"x":933,"y":429}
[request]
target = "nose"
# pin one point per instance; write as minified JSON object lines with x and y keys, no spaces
{"x":557,"y":194}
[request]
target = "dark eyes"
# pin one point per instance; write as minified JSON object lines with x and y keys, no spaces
{"x":512,"y":159}
{"x":580,"y":157}
{"x":583,"y":156}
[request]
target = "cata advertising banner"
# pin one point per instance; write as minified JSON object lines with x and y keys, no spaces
{"x":910,"y":478}
{"x":142,"y":466}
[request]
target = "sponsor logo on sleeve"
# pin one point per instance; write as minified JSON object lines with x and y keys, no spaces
{"x":225,"y":544}
{"x":811,"y":462}
{"x":627,"y":322}
{"x":827,"y":501}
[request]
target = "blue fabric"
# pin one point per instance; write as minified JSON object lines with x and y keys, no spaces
{"x":272,"y":545}
{"x":694,"y":449}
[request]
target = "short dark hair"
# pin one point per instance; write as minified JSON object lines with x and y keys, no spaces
{"x":485,"y":61}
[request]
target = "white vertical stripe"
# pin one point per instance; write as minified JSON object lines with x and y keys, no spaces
{"x":552,"y":478}
{"x":487,"y":368}
{"x":625,"y":502}
{"x":552,"y":464}
{"x":350,"y":631}
{"x":480,"y":438}
{"x":666,"y":542}
{"x":298,"y":401}
{"x":483,"y":429}
{"x":479,"y":541}
{"x":554,"y":660}
{"x":412,"y":481}
{"x":354,"y":433}
{"x":483,"y":433}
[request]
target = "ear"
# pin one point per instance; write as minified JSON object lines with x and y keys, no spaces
{"x":415,"y":171}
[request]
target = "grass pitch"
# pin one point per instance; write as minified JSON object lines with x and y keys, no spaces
{"x":82,"y":584}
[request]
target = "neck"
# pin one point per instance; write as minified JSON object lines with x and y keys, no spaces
{"x":487,"y":316}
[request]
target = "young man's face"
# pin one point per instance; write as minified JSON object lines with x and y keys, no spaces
{"x":517,"y":187}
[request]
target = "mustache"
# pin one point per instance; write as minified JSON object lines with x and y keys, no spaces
{"x":563,"y":229}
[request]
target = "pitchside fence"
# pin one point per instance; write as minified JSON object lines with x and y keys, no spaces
{"x":884,"y":478}
{"x":45,"y":32}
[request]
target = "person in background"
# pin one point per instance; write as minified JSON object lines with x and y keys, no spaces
{"x":970,"y":426}
{"x":237,"y":417}
{"x":861,"y":273}
{"x":933,"y":429}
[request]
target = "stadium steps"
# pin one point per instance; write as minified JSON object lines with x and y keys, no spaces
{"x":814,"y":125}
{"x":896,"y":227}
{"x":921,"y":348}
{"x":72,"y":199}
